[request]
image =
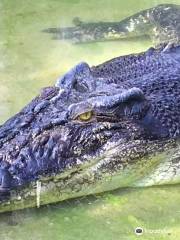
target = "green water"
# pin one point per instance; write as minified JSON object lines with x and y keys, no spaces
{"x":30,"y":60}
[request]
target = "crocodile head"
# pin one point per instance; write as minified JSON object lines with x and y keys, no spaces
{"x":85,"y":135}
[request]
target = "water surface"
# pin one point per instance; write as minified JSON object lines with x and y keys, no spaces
{"x":30,"y":60}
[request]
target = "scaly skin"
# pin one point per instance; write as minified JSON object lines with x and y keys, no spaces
{"x":161,"y":24}
{"x":48,"y":153}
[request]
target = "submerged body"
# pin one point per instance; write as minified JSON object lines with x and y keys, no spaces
{"x":100,"y":128}
{"x":160,"y":23}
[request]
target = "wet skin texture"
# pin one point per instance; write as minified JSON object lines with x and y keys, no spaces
{"x":133,"y":101}
{"x":161,"y":24}
{"x":100,"y":120}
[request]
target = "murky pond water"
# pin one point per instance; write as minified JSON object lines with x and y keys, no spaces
{"x":30,"y":60}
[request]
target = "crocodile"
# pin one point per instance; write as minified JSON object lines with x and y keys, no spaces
{"x":161,"y":23}
{"x":98,"y":128}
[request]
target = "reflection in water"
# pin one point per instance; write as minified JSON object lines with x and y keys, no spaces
{"x":31,"y":60}
{"x":109,"y":216}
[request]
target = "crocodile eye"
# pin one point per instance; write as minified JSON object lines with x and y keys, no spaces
{"x":85,"y":116}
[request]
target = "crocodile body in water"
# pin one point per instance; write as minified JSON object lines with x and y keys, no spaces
{"x":100,"y":128}
{"x":160,"y":23}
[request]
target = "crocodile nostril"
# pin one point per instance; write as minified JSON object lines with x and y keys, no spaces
{"x":5,"y":180}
